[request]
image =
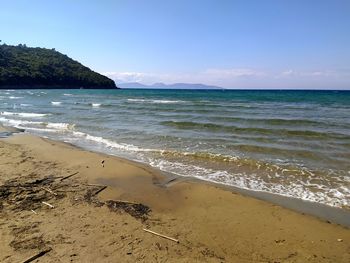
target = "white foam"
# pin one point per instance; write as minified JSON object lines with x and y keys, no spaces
{"x":20,"y":123}
{"x":137,"y":100}
{"x":41,"y":129}
{"x":79,"y":134}
{"x":26,"y":105}
{"x":112,"y":144}
{"x":15,"y":98}
{"x":24,"y":114}
{"x":38,"y":126}
{"x":156,"y":101}
{"x":56,"y":103}
{"x":96,"y":105}
{"x":60,"y":126}
{"x":67,"y":94}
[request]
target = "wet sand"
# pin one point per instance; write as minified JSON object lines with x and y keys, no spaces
{"x":212,"y":224}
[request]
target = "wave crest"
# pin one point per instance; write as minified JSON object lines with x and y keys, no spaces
{"x":24,"y":114}
{"x":155,"y":101}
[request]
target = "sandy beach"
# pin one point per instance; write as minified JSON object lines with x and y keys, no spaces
{"x":93,"y":223}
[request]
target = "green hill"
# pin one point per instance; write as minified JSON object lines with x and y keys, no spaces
{"x":25,"y":67}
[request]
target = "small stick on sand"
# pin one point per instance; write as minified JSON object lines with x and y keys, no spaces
{"x":160,"y":235}
{"x":48,"y":190}
{"x":40,"y":254}
{"x":51,"y":206}
{"x":68,"y":176}
{"x":100,"y":190}
{"x":33,"y":211}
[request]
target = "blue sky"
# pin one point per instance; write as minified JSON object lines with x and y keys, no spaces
{"x":234,"y":44}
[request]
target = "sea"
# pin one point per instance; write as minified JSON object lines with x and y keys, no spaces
{"x":290,"y":143}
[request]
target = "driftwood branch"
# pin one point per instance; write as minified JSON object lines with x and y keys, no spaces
{"x":49,"y":205}
{"x":68,"y":176}
{"x":100,"y":190}
{"x":40,"y":254}
{"x":33,"y":211}
{"x":160,"y":235}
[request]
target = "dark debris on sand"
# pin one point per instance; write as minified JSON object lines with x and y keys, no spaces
{"x":19,"y":195}
{"x":138,"y":211}
{"x":29,"y":195}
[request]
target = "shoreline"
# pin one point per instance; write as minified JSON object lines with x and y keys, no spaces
{"x":324,"y":212}
{"x":327,"y":213}
{"x":212,"y":222}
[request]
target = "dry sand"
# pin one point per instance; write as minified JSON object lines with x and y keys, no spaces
{"x":212,"y":224}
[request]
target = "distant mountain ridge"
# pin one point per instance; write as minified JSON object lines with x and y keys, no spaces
{"x":26,"y":67}
{"x":137,"y":85}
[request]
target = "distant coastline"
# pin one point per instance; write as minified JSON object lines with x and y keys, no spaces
{"x":184,"y":86}
{"x":200,"y":86}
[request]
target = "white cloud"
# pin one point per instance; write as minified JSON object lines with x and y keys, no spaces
{"x":316,"y":73}
{"x":287,"y":72}
{"x":128,"y":76}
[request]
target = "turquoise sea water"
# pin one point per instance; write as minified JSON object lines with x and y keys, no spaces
{"x":292,"y":143}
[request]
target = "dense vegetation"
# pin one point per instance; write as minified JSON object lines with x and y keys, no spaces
{"x":24,"y":67}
